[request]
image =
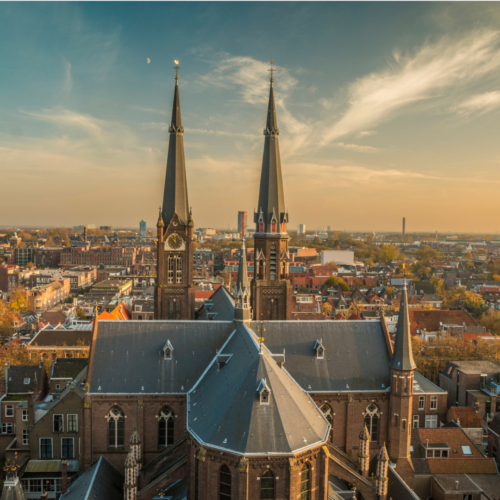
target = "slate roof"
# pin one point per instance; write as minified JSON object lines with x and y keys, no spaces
{"x":423,"y":386}
{"x":60,"y":338}
{"x":68,"y":367}
{"x":222,"y":308}
{"x":128,"y":355}
{"x":101,"y":481}
{"x":356,"y":356}
{"x":226,"y":412}
{"x":17,"y":375}
{"x":12,"y":490}
{"x":397,"y":488}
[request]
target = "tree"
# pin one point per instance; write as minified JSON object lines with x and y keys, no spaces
{"x":17,"y":300}
{"x":80,"y":314}
{"x":331,"y":264}
{"x":491,"y":321}
{"x":425,"y":252}
{"x":7,"y":317}
{"x":390,"y":291}
{"x":468,"y":256}
{"x":302,"y":289}
{"x":334,"y":281}
{"x":326,"y":308}
{"x":475,"y":303}
{"x":389,"y":253}
{"x":30,"y":265}
{"x":50,"y":241}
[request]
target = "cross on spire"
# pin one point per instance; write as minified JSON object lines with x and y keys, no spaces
{"x":177,"y":68}
{"x":272,"y":71}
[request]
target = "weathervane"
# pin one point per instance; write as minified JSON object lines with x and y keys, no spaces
{"x":272,"y":70}
{"x":177,"y":68}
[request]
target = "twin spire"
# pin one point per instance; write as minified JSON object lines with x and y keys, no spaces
{"x":175,"y":195}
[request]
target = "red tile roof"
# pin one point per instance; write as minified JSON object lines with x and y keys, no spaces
{"x":120,"y":313}
{"x":431,"y":320}
{"x":469,"y":418}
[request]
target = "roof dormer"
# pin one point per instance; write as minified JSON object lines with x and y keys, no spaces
{"x":222,"y":359}
{"x":320,"y":349}
{"x":264,"y":392}
{"x":168,"y":350}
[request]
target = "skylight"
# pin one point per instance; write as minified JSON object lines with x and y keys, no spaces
{"x":466,"y":450}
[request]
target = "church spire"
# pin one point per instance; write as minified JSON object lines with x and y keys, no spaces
{"x":402,"y":358}
{"x":242,"y":288}
{"x":271,"y":215}
{"x":175,"y":196}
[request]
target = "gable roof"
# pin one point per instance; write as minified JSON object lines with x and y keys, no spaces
{"x":220,"y":307}
{"x":468,"y":416}
{"x":61,"y":338}
{"x":128,"y":355}
{"x":102,"y":480}
{"x":67,"y":367}
{"x":237,"y":421}
{"x":19,"y":373}
{"x":432,"y":320}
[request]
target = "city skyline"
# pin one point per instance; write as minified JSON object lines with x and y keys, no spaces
{"x":404,"y":124}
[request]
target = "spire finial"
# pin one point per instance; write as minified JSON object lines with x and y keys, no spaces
{"x":177,"y":68}
{"x":272,"y":71}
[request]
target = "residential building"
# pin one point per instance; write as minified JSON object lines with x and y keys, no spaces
{"x":94,"y":256}
{"x":48,"y":256}
{"x":44,"y":297}
{"x":9,"y":277}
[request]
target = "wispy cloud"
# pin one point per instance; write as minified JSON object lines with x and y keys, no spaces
{"x":68,"y":80}
{"x":478,"y":104}
{"x":411,"y":78}
{"x":357,"y":147}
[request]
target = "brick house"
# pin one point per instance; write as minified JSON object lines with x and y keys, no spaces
{"x":429,"y":404}
{"x":9,"y":278}
{"x":46,"y":296}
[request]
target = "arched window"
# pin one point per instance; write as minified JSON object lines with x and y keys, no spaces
{"x":170,"y":270}
{"x":328,"y":413}
{"x":116,"y":428}
{"x":224,"y":483}
{"x":166,"y":427}
{"x":267,"y":486}
{"x":371,"y":420}
{"x":305,"y":482}
{"x":272,"y":268}
{"x":178,"y":269}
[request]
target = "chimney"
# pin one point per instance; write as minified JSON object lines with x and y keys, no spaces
{"x":456,"y":484}
{"x":458,"y":421}
{"x":44,"y":496}
{"x":64,"y":476}
{"x":54,"y":356}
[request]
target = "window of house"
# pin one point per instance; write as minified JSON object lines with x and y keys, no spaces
{"x":415,"y":421}
{"x":35,"y":485}
{"x":9,"y":410}
{"x":305,"y":480}
{"x":7,"y":428}
{"x":166,"y":427}
{"x":434,"y":402}
{"x":72,"y":423}
{"x":116,"y":428}
{"x":224,"y":483}
{"x":431,"y":421}
{"x":26,"y":381}
{"x":421,"y":402}
{"x":466,"y":450}
{"x":58,"y":423}
{"x":372,"y":420}
{"x":26,"y":437}
{"x":25,"y":416}
{"x":67,"y":448}
{"x":45,"y":447}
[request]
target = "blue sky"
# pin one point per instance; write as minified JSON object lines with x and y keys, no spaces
{"x":385,"y":110}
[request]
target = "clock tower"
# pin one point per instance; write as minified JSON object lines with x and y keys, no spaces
{"x":174,"y":293}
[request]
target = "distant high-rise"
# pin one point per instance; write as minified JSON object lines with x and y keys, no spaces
{"x":106,"y":228}
{"x":242,"y":223}
{"x":142,"y":228}
{"x":301,"y":228}
{"x":328,"y":229}
{"x":404,"y":222}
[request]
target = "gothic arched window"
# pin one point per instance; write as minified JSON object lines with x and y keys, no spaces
{"x":272,"y":268}
{"x":178,"y":270}
{"x":224,"y":483}
{"x":267,"y":486}
{"x":372,"y":416}
{"x":328,"y":413}
{"x":170,"y":270}
{"x":305,"y":481}
{"x":166,"y":427}
{"x":116,"y":428}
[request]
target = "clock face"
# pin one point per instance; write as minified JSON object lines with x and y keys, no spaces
{"x":175,"y":241}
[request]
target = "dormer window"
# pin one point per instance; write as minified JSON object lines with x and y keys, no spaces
{"x":168,"y":350}
{"x":26,"y":381}
{"x":320,"y":349}
{"x":264,"y":392}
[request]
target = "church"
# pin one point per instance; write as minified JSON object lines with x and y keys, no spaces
{"x":240,"y":402}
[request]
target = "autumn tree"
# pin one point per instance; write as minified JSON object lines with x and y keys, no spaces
{"x":326,"y":308}
{"x":18,"y":300}
{"x":389,"y":253}
{"x":7,"y":317}
{"x":468,"y":256}
{"x":491,"y":321}
{"x":334,"y":281}
{"x":425,"y":252}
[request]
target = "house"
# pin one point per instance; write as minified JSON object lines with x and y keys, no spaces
{"x":494,"y":438}
{"x":64,"y":370}
{"x":428,"y":324}
{"x":469,"y":420}
{"x":429,"y":403}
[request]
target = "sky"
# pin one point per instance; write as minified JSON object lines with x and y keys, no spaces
{"x":386,"y":110}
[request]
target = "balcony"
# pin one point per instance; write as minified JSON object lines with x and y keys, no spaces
{"x":490,"y":388}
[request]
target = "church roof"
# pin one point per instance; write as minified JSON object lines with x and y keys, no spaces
{"x":226,"y":411}
{"x":271,"y":194}
{"x":175,"y":195}
{"x":128,"y":356}
{"x":356,"y":356}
